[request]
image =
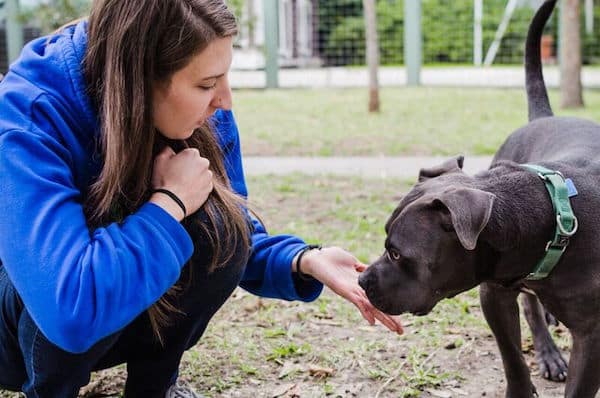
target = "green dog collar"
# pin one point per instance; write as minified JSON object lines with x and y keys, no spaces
{"x":566,"y":222}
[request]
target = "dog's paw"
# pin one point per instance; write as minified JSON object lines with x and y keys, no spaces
{"x":521,"y":392}
{"x":552,"y":366}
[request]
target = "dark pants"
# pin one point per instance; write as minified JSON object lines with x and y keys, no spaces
{"x":32,"y":364}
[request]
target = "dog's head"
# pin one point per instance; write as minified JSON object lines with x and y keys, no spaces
{"x":431,"y":240}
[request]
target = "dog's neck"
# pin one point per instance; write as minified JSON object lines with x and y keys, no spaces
{"x":521,"y":223}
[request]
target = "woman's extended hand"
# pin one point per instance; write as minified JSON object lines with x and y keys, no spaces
{"x":339,"y":270}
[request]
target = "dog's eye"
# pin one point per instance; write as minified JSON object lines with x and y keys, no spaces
{"x":394,"y":255}
{"x":448,"y":227}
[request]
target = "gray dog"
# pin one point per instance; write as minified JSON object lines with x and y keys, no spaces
{"x":452,"y":232}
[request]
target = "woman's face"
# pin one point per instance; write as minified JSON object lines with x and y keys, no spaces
{"x":194,"y":92}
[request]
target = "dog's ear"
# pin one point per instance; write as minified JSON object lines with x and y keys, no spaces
{"x":450,"y":165}
{"x":470,"y":210}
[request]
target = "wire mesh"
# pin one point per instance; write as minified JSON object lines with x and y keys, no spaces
{"x":325,"y":33}
{"x":332,"y":32}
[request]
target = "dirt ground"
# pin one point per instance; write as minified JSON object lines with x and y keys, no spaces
{"x":263,"y":348}
{"x":343,"y":360}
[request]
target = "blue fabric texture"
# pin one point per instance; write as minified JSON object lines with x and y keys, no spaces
{"x":28,"y":361}
{"x":80,"y":285}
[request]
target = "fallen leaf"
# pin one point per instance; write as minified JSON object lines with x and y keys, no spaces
{"x":439,"y":393}
{"x":367,"y":329}
{"x":289,"y":368}
{"x":459,"y":391}
{"x":320,"y":372}
{"x":283,"y":390}
{"x":327,"y":322}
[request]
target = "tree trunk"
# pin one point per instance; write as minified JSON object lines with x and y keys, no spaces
{"x":251,"y":21}
{"x":372,"y":44}
{"x":570,"y":56}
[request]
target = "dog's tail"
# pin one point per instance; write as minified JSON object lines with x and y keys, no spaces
{"x":537,"y":95}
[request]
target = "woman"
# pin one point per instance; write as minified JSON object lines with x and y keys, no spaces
{"x":122,"y":192}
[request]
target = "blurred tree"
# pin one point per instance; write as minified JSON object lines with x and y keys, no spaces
{"x":52,"y":14}
{"x":246,"y":19}
{"x":372,"y":44}
{"x":570,"y":55}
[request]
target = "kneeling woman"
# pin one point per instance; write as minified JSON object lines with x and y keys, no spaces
{"x":124,"y":226}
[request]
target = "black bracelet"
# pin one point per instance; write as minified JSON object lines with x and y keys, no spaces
{"x":301,"y":274}
{"x":174,"y":197}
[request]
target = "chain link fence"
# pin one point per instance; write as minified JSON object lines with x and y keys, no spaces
{"x":332,"y":32}
{"x":326,"y":33}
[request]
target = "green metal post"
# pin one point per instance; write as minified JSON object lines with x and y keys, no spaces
{"x":412,"y":41}
{"x":271,"y":43}
{"x":14,"y":29}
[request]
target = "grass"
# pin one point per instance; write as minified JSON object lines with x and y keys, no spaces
{"x":266,"y":348}
{"x":283,"y":343}
{"x":413,"y":121}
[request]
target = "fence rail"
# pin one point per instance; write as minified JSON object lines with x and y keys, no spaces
{"x":330,"y":33}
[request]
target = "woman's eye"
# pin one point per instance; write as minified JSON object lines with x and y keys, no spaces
{"x":394,"y":255}
{"x":208,"y":87}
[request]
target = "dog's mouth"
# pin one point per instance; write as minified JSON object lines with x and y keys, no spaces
{"x":392,"y":308}
{"x":380,"y":303}
{"x":421,"y":313}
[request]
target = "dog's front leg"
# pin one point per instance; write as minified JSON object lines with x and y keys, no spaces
{"x":550,"y":361}
{"x":501,"y":311}
{"x":583,"y":379}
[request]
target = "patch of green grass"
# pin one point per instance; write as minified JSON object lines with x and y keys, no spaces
{"x":319,"y":213}
{"x":328,"y":389}
{"x":412,"y":121}
{"x":270,"y":333}
{"x":254,"y":346}
{"x":288,"y":351}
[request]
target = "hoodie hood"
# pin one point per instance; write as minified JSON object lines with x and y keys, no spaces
{"x":51,"y":67}
{"x":44,"y":95}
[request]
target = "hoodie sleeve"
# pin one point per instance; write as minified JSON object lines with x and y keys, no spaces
{"x":78,"y":285}
{"x":268,"y":273}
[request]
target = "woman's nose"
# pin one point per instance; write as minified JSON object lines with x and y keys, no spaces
{"x":223,"y":99}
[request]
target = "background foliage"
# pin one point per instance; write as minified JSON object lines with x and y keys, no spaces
{"x":447,"y":27}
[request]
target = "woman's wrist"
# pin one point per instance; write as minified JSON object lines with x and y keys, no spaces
{"x":303,"y":263}
{"x":168,"y":205}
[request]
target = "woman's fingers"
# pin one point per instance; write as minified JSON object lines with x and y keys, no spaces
{"x":167,"y":152}
{"x":360,"y":267}
{"x":362,"y":307}
{"x":391,"y":322}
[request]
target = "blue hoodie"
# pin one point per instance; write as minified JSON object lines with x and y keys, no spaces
{"x":80,"y":285}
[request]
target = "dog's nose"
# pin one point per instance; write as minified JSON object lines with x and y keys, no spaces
{"x":363,"y":280}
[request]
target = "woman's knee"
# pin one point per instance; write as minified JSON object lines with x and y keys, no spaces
{"x":12,"y":369}
{"x":50,"y":370}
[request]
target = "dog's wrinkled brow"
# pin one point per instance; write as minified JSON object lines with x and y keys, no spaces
{"x":411,"y":196}
{"x":393,"y":217}
{"x":407,"y":199}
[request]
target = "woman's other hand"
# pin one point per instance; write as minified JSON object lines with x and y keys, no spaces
{"x":339,"y":270}
{"x":187,"y":175}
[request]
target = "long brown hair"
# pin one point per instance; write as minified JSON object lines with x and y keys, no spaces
{"x":131,"y":46}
